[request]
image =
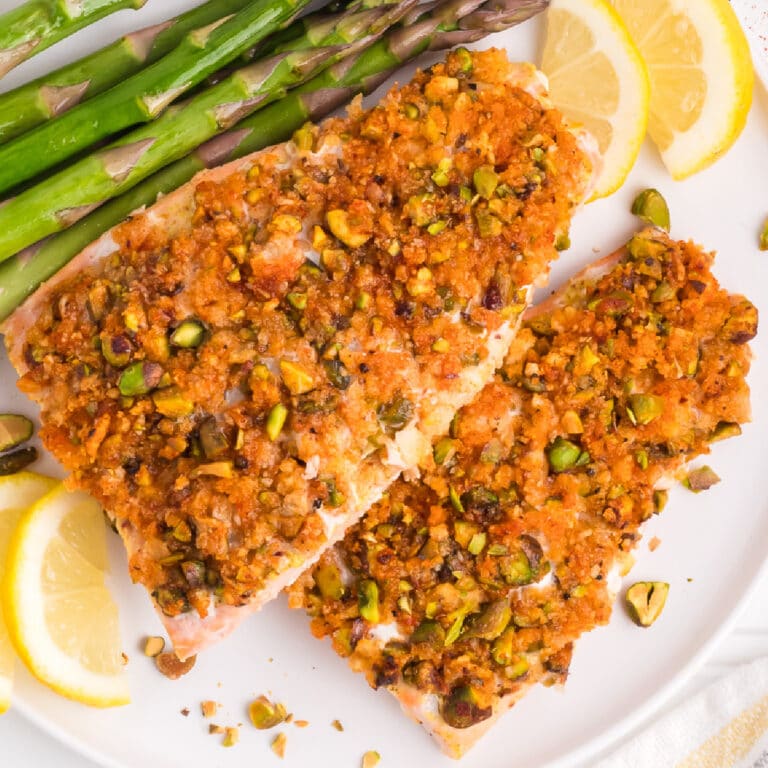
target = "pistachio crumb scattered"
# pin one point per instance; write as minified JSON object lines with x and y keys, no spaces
{"x":301,"y":723}
{"x":214,"y":729}
{"x":208,"y":708}
{"x":371,"y":759}
{"x":338,"y":726}
{"x":185,"y":711}
{"x":764,"y":237}
{"x":154,"y":646}
{"x":653,"y":544}
{"x":231,"y":737}
{"x":124,"y":657}
{"x":278,"y":745}
{"x":170,"y":665}
{"x":289,"y":717}
{"x":264,"y":714}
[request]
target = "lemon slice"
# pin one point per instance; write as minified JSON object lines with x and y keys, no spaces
{"x":60,"y":616}
{"x":701,"y":77}
{"x":17,"y":492}
{"x":598,"y":80}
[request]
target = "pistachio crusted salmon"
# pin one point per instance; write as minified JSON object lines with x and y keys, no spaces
{"x":460,"y":591}
{"x":240,"y":371}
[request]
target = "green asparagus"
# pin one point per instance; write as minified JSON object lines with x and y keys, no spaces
{"x":69,"y":195}
{"x":22,"y":274}
{"x":38,"y":24}
{"x":50,"y":95}
{"x":144,"y":96}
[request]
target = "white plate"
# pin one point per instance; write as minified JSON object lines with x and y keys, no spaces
{"x":713,"y":546}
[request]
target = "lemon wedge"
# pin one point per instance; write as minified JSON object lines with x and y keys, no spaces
{"x":598,"y":80}
{"x":60,"y":616}
{"x":17,"y":492}
{"x":701,"y":77}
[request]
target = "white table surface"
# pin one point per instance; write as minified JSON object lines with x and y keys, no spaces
{"x":22,"y":745}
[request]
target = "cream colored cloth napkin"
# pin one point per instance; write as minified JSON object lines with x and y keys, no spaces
{"x":724,"y":726}
{"x":754,"y":19}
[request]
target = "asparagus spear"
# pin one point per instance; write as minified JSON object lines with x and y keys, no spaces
{"x":461,"y":21}
{"x":144,"y":96}
{"x":38,"y":24}
{"x":69,"y":195}
{"x":33,"y":103}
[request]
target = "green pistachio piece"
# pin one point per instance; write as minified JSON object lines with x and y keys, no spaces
{"x":328,"y":580}
{"x":701,"y":479}
{"x":396,"y":414}
{"x":461,"y":708}
{"x":429,"y":632}
{"x":477,"y":543}
{"x":337,"y":374}
{"x":352,"y":233}
{"x":764,"y":237}
{"x":464,"y":58}
{"x":491,"y":622}
{"x":650,"y":206}
{"x":443,"y":450}
{"x":188,"y":334}
{"x":660,"y":499}
{"x":194,"y":573}
{"x":139,"y":379}
{"x":276,"y":421}
{"x":116,"y":350}
{"x":297,"y":300}
{"x":485,"y":180}
{"x":480,"y":503}
{"x":440,"y":176}
{"x":663,"y":292}
{"x":501,"y":650}
{"x":14,"y":462}
{"x":171,"y":403}
{"x":643,"y":409}
{"x":265,"y":715}
{"x":368,"y":600}
{"x":487,"y":224}
{"x":213,"y":440}
{"x":722,"y":431}
{"x":645,"y":601}
{"x":563,"y":455}
{"x":411,"y":111}
{"x":304,"y":137}
{"x":14,"y":430}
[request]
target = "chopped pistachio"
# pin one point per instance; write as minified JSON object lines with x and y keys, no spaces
{"x":116,"y":350}
{"x":701,"y":479}
{"x":663,"y":292}
{"x":329,"y":582}
{"x":455,"y":498}
{"x":297,"y":300}
{"x":436,"y":227}
{"x":296,"y":378}
{"x":491,"y":622}
{"x":221,"y":469}
{"x":660,"y":499}
{"x":304,"y":137}
{"x":464,"y":58}
{"x":154,"y":646}
{"x":485,"y":180}
{"x":368,"y":600}
{"x":441,"y":345}
{"x":264,"y":714}
{"x":276,"y":421}
{"x":477,"y":543}
{"x":171,"y":403}
{"x":456,"y":627}
{"x":231,"y":737}
{"x":396,"y":414}
{"x":650,"y":206}
{"x":643,"y":409}
{"x":234,"y":276}
{"x":363,"y":300}
{"x":724,"y":430}
{"x":139,"y":379}
{"x":14,"y":430}
{"x":764,"y":237}
{"x":571,"y":422}
{"x":563,"y":455}
{"x":411,"y":111}
{"x":430,"y":632}
{"x":337,"y":374}
{"x":278,"y":745}
{"x":345,"y":229}
{"x":562,"y":242}
{"x":188,"y":334}
{"x":487,"y":224}
{"x":208,"y":708}
{"x":461,"y":708}
{"x":645,"y":601}
{"x":440,"y":176}
{"x":370,"y":759}
{"x":443,"y":450}
{"x":337,"y":725}
{"x":641,"y":457}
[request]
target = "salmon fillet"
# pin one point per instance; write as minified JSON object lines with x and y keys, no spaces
{"x":239,"y":372}
{"x":462,"y":590}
